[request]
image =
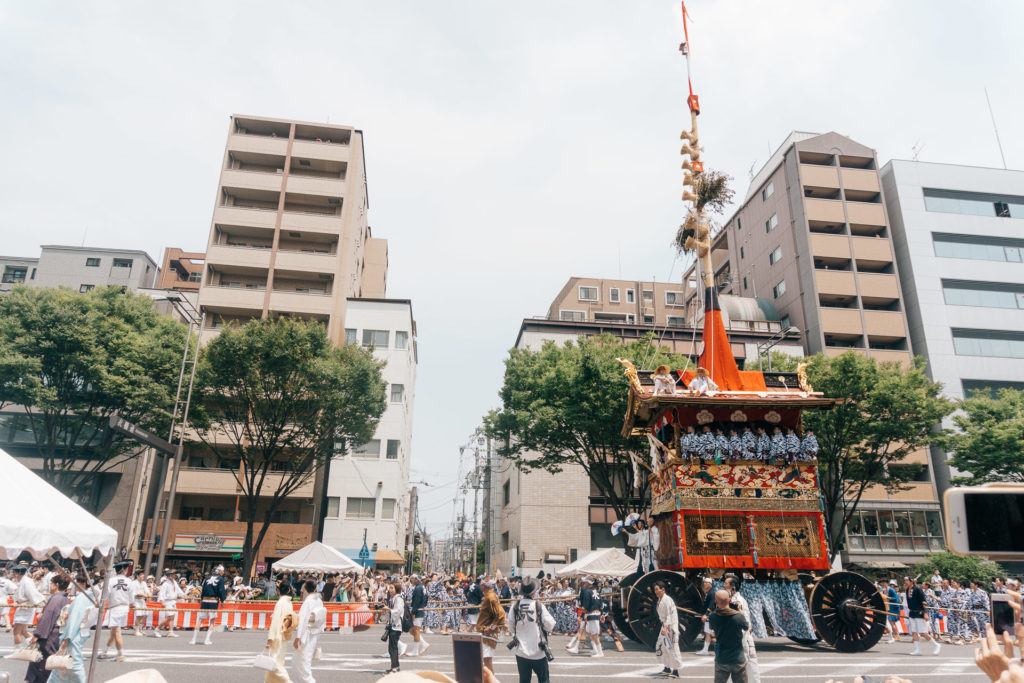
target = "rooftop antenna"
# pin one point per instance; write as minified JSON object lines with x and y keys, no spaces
{"x":750,"y":171}
{"x":995,"y":129}
{"x":916,"y":149}
{"x":84,"y":234}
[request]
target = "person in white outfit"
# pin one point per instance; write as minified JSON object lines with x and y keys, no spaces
{"x":529,"y":625}
{"x":753,"y":668}
{"x":668,"y":637}
{"x":138,"y":590}
{"x":27,"y":597}
{"x":7,"y":587}
{"x":118,"y":600}
{"x":169,"y":594}
{"x":312,"y":618}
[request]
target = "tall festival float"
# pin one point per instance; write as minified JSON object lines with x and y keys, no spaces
{"x":727,"y":510}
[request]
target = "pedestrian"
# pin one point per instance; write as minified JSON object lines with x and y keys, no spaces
{"x":916,"y":616}
{"x":893,"y":603}
{"x":530,"y":624}
{"x":730,"y":653}
{"x":138,"y":591}
{"x":214,"y":593}
{"x":47,"y":632}
{"x":393,"y":634}
{"x":282,"y":629}
{"x":312,"y":618}
{"x":591,"y":605}
{"x":474,"y":596}
{"x":418,"y":603}
{"x":980,"y":607}
{"x":7,"y":588}
{"x":169,"y":594}
{"x":732,"y":584}
{"x":668,"y":636}
{"x":27,"y":597}
{"x":490,"y":622}
{"x":709,"y":607}
{"x":119,"y":599}
{"x":76,"y":631}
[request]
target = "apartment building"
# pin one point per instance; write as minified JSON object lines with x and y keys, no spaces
{"x":812,"y":236}
{"x":181,"y":270}
{"x":17,"y":270}
{"x":80,"y":268}
{"x":540,"y":520}
{"x":368,"y":484}
{"x":957,"y":231}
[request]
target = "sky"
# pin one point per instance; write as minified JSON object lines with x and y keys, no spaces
{"x":509,"y":145}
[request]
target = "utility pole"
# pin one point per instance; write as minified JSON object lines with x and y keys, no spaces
{"x":488,"y":514}
{"x":410,"y":532}
{"x":476,"y":504}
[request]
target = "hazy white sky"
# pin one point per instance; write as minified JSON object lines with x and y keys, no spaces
{"x":509,"y":145}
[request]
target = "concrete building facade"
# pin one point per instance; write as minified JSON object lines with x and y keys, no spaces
{"x":80,"y":268}
{"x":368,"y":484}
{"x":957,"y":231}
{"x":181,"y":270}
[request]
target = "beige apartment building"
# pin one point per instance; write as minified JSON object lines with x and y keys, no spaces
{"x":289,"y":236}
{"x":181,"y":270}
{"x":812,"y":237}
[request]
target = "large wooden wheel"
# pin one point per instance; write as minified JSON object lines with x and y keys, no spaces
{"x":848,"y":612}
{"x":642,"y":607}
{"x":618,"y":608}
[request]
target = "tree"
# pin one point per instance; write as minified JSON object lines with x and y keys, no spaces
{"x":959,"y":567}
{"x":565,"y":405}
{"x":886,"y":413}
{"x":990,"y":442}
{"x":68,"y":361}
{"x":279,"y":398}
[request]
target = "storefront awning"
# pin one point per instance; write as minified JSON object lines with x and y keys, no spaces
{"x":388,"y":557}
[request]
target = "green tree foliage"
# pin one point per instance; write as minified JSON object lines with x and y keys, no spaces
{"x":780,"y":362}
{"x":68,"y":361}
{"x":959,"y":567}
{"x":278,"y":397}
{"x":565,"y":405}
{"x":989,"y":443}
{"x":886,"y":413}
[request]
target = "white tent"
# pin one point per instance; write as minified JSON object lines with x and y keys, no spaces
{"x":317,"y":557}
{"x":37,"y":518}
{"x":609,"y":562}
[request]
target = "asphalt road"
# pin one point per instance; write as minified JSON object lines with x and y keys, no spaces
{"x":361,"y":657}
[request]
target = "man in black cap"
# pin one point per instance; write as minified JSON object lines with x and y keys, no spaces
{"x":119,"y":598}
{"x":474,"y":596}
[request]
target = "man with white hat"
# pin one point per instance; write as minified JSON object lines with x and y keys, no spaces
{"x":215,"y":592}
{"x":169,"y":594}
{"x":591,"y":605}
{"x":118,"y":601}
{"x":27,"y":597}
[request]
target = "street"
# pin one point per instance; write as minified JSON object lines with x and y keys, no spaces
{"x":361,"y":657}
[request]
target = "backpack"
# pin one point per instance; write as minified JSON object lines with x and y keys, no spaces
{"x":407,"y":618}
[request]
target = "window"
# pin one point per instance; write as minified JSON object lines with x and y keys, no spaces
{"x":92,"y":262}
{"x":988,"y":343}
{"x":401,"y":339}
{"x":572,"y":316}
{"x":504,"y":541}
{"x":195,"y":277}
{"x":775,"y":256}
{"x":895,"y":531}
{"x":785,"y":323}
{"x":123,"y":263}
{"x":674,"y":299}
{"x":648,"y":319}
{"x":368,"y":451}
{"x":768,"y":191}
{"x":220,"y":515}
{"x":630,"y":296}
{"x":974,"y":203}
{"x":392,"y":452}
{"x":648,"y":295}
{"x":978,"y":247}
{"x":613,"y":295}
{"x":376,"y":339}
{"x":631,"y":319}
{"x":387,"y":508}
{"x":14,"y":274}
{"x":86,"y":288}
{"x":983,"y":294}
{"x":743,"y":252}
{"x":675,"y":321}
{"x":333,"y":507}
{"x":397,"y":393}
{"x":506,"y":493}
{"x":350,"y":335}
{"x":779,"y":289}
{"x":285,"y":517}
{"x":771,"y":223}
{"x":739,"y":223}
{"x":360,"y":508}
{"x":988,"y":387}
{"x":190,"y":512}
{"x":744,"y":282}
{"x":33,"y":276}
{"x":588,"y":293}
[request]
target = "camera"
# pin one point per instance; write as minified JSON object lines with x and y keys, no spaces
{"x":546,"y":650}
{"x":512,"y":644}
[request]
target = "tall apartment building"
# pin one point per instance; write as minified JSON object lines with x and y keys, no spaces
{"x":80,"y":268}
{"x":958,"y":237}
{"x":540,"y":520}
{"x":368,"y":487}
{"x":812,"y":235}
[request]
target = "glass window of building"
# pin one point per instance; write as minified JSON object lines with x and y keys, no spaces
{"x":123,"y":263}
{"x":771,"y":223}
{"x":775,"y":256}
{"x":613,"y":295}
{"x":674,"y":299}
{"x":572,"y":316}
{"x":675,"y":321}
{"x":387,"y":508}
{"x":397,"y":393}
{"x":768,"y":191}
{"x":401,"y":339}
{"x":392,"y":452}
{"x":779,"y":289}
{"x":350,"y":335}
{"x":92,"y":262}
{"x":86,"y":288}
{"x":376,"y":339}
{"x":588,"y":293}
{"x":14,"y":274}
{"x":367,"y":451}
{"x":973,"y":203}
{"x":360,"y":508}
{"x":983,"y":294}
{"x":333,"y":506}
{"x":988,"y":343}
{"x":630,"y":296}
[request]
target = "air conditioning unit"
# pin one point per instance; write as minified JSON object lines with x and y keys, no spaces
{"x":195,"y":519}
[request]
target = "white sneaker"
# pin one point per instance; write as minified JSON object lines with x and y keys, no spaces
{"x":424,"y":646}
{"x":156,"y":634}
{"x":936,"y":648}
{"x":574,"y":650}
{"x":916,"y":652}
{"x":702,"y":653}
{"x":597,"y":653}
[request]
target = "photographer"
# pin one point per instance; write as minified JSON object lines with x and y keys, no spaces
{"x":531,"y":622}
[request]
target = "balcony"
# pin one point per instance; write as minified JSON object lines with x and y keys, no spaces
{"x":825,"y":210}
{"x":328,"y":151}
{"x":885,"y":326}
{"x":833,"y":247}
{"x":234,"y":298}
{"x":820,"y":176}
{"x":258,"y":144}
{"x":835,"y":283}
{"x":310,"y":222}
{"x":878,"y":288}
{"x":891,"y":356}
{"x":285,"y":301}
{"x":240,"y":256}
{"x":859,"y":179}
{"x":863,"y":213}
{"x":307,"y":262}
{"x":840,"y":322}
{"x":202,"y":480}
{"x":247,"y":216}
{"x":872,"y":252}
{"x":251,"y":180}
{"x":312,"y":185}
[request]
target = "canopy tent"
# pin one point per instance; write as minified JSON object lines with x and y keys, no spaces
{"x":610,"y":562}
{"x":38,"y":519}
{"x":317,"y":557}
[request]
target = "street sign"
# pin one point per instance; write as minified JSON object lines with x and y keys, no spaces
{"x":119,"y":424}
